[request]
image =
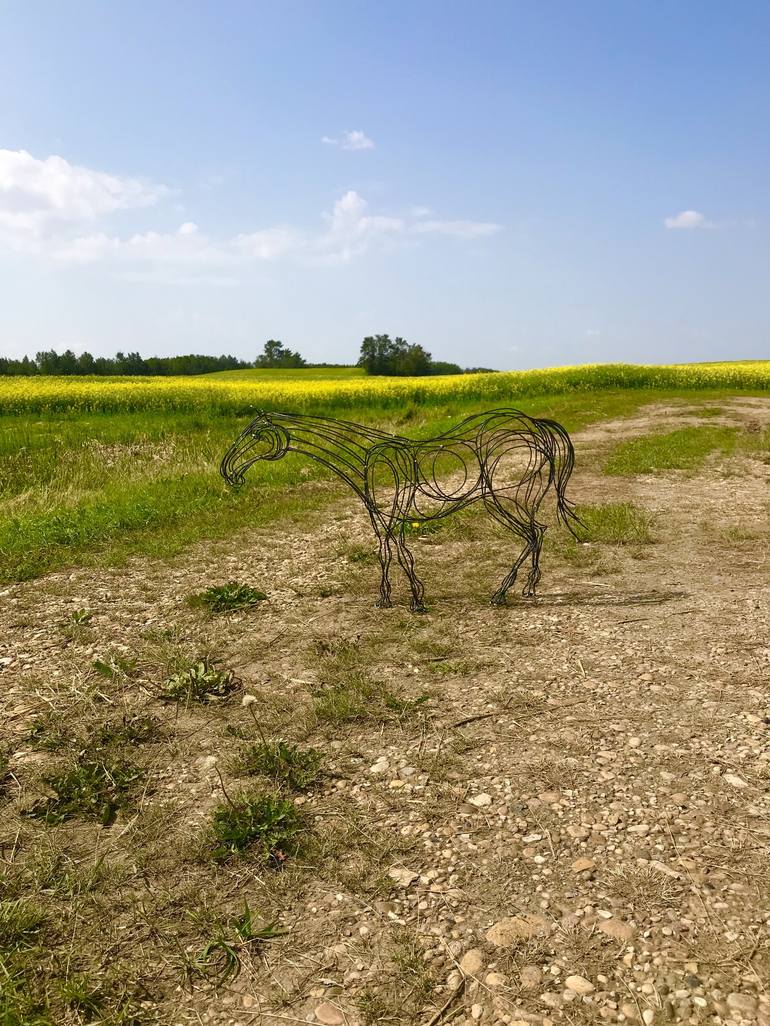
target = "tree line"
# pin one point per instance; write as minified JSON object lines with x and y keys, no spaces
{"x":67,"y":363}
{"x":379,"y":355}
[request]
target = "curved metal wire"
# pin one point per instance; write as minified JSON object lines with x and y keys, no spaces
{"x":502,"y":458}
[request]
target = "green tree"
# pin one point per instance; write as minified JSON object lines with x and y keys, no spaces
{"x":275,"y":354}
{"x":381,"y":354}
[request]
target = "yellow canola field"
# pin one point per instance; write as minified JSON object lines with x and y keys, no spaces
{"x":243,"y":395}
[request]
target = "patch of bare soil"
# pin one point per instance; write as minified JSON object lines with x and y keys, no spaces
{"x":558,"y":814}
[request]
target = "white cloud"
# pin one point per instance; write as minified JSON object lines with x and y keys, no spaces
{"x":53,"y":209}
{"x":351,"y":230}
{"x":38,"y":194}
{"x":353,"y":140}
{"x":357,"y":141}
{"x":687,"y":219}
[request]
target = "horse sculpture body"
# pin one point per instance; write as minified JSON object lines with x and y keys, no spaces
{"x":503,"y":458}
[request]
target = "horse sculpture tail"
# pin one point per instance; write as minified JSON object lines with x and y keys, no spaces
{"x":563,"y":462}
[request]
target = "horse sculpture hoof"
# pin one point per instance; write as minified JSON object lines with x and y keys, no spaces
{"x":383,"y":603}
{"x":498,"y":600}
{"x":418,"y":607}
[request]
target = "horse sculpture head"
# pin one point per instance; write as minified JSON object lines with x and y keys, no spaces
{"x":263,"y":439}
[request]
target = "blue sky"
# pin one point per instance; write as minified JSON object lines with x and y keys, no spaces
{"x":508,"y":184}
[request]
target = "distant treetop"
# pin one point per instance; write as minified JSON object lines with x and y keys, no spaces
{"x":381,"y":354}
{"x":275,"y":354}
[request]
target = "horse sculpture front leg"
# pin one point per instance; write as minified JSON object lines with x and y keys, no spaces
{"x":406,"y":559}
{"x":384,"y":601}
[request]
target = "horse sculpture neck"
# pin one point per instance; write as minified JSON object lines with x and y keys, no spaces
{"x":340,"y":445}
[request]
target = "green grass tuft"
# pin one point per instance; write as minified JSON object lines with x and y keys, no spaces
{"x":286,"y":765}
{"x":220,"y":959}
{"x":20,"y":925}
{"x":263,"y":825}
{"x":202,"y":682}
{"x":92,"y":788}
{"x":225,"y":598}
{"x":616,"y":523}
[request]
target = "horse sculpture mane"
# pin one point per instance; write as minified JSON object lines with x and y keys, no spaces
{"x":502,"y":458}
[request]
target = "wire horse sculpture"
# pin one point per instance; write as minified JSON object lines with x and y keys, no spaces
{"x":403,"y":481}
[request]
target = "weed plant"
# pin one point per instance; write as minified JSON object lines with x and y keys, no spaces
{"x":226,"y":598}
{"x":265,"y":826}
{"x":288,"y":766}
{"x":93,"y":788}
{"x":202,"y":682}
{"x":219,"y":961}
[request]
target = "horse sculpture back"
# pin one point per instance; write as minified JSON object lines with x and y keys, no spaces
{"x":502,"y":458}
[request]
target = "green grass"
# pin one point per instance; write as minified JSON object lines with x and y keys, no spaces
{"x":97,"y":488}
{"x":264,"y":826}
{"x":202,"y":682}
{"x":287,"y":765}
{"x":684,"y":449}
{"x":219,"y":961}
{"x":92,"y":788}
{"x":227,"y":598}
{"x":300,"y":374}
{"x":616,"y":523}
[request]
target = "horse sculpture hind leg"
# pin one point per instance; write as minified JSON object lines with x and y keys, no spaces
{"x":532,"y":536}
{"x":533,"y":578}
{"x":502,"y":516}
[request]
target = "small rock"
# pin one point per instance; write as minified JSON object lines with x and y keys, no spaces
{"x":735,"y":780}
{"x":476,"y":1012}
{"x":455,"y":979}
{"x":580,"y":833}
{"x":329,"y":1015}
{"x":617,"y":928}
{"x":552,"y":999}
{"x":579,"y":984}
{"x":403,"y":877}
{"x":661,"y":867}
{"x":472,"y":962}
{"x":742,"y":1002}
{"x":634,"y":742}
{"x":515,"y":928}
{"x":481,"y":800}
{"x":649,"y":1016}
{"x":495,"y":980}
{"x":583,"y":865}
{"x":530,"y":977}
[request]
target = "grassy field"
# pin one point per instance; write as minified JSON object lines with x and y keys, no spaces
{"x":215,"y":766}
{"x":94,"y":470}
